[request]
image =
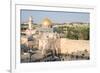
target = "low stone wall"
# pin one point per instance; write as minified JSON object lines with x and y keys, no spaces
{"x":64,"y":45}
{"x":74,"y":45}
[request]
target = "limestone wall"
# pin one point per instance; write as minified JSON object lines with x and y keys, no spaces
{"x":74,"y":45}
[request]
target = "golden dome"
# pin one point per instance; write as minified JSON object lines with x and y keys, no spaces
{"x":47,"y":22}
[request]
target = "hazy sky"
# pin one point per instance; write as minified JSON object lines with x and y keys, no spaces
{"x":56,"y":17}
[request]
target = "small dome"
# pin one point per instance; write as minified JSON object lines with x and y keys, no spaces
{"x":47,"y":22}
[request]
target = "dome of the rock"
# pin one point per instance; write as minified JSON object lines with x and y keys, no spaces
{"x":46,"y":22}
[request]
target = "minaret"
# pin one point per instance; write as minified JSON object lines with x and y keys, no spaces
{"x":30,"y":22}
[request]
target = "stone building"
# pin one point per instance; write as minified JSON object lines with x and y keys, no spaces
{"x":42,"y":38}
{"x":48,"y":38}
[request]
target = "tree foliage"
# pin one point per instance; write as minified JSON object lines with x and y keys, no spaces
{"x":74,"y":32}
